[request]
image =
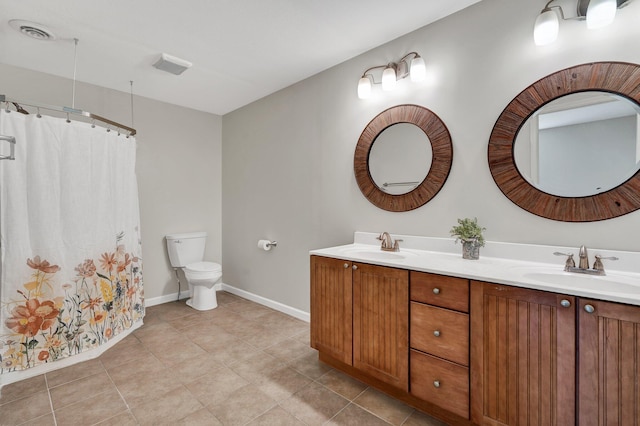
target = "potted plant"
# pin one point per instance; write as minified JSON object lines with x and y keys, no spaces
{"x":470,"y":234}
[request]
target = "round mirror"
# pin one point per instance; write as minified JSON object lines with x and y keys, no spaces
{"x":400,"y":158}
{"x":567,"y":191}
{"x":412,"y":155}
{"x":580,"y":144}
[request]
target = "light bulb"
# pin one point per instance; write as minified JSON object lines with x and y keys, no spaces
{"x":545,"y":30}
{"x":388,"y":79}
{"x":364,"y":87}
{"x":418,"y":71}
{"x":601,"y":13}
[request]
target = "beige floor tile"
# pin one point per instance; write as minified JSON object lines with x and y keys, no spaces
{"x":195,"y":367}
{"x":123,"y":419}
{"x":142,"y":387}
{"x":195,"y":320}
{"x":22,"y":389}
{"x":130,"y":371}
{"x":242,"y":405}
{"x":74,"y":372}
{"x":89,"y":411}
{"x":231,"y":353}
{"x":171,"y":310}
{"x":25,"y":409}
{"x":175,"y":351}
{"x":202,"y":417}
{"x":277,"y":416}
{"x":389,"y":409}
{"x":262,"y":337}
{"x":168,"y":408}
{"x":303,"y":336}
{"x":215,"y":387}
{"x":46,"y":420}
{"x":282,"y":382}
{"x":206,"y":333}
{"x":420,"y":419}
{"x":354,"y":415}
{"x":314,"y":404}
{"x":225,"y":298}
{"x":78,"y":390}
{"x":310,"y":366}
{"x":289,"y":349}
{"x":342,"y":384}
{"x":256,"y":366}
{"x":118,"y":355}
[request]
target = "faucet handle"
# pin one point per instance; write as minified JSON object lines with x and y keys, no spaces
{"x":570,"y":263}
{"x":396,"y":245}
{"x":598,"y":266}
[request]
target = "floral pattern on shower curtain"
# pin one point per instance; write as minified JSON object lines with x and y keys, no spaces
{"x":71,"y":268}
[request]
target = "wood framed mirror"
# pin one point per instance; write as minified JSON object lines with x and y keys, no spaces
{"x":426,"y":182}
{"x":618,"y":78}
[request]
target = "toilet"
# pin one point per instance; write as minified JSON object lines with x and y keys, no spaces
{"x":186,"y":251}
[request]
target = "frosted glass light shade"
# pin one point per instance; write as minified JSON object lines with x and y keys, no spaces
{"x":388,"y":79}
{"x":418,"y":71}
{"x":601,"y":13}
{"x":364,"y":88}
{"x":545,"y":30}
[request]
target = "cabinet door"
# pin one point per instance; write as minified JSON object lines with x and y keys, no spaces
{"x":609,"y":363}
{"x":522,"y":356}
{"x":331,"y":307}
{"x":381,"y":323}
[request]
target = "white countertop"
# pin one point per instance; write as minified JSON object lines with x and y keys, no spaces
{"x":521,"y":265}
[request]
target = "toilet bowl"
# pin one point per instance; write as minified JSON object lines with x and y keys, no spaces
{"x":202,"y":277}
{"x":186,"y":251}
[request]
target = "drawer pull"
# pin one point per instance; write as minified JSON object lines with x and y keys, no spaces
{"x":565,"y":303}
{"x":346,"y":265}
{"x":436,"y":333}
{"x":436,"y":383}
{"x":355,"y":267}
{"x":436,"y":290}
{"x":589,"y":309}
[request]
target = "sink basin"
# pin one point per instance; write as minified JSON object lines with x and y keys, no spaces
{"x":375,"y":254}
{"x":606,"y":284}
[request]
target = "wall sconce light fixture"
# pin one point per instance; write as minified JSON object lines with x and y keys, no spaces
{"x":392,"y":72}
{"x":598,"y":13}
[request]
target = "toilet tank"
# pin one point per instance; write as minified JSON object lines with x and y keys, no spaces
{"x":186,"y":248}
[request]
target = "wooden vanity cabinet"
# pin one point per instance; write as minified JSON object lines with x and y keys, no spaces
{"x":523,"y":356}
{"x":609,"y":363}
{"x":359,"y":316}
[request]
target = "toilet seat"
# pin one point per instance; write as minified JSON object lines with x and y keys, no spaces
{"x":203,"y":267}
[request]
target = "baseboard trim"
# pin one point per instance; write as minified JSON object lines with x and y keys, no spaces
{"x":280,"y":307}
{"x":294,"y":312}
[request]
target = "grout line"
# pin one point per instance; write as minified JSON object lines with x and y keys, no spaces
{"x":53,"y":413}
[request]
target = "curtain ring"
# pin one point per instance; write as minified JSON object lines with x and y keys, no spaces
{"x":68,"y":119}
{"x":93,"y":124}
{"x":38,"y":113}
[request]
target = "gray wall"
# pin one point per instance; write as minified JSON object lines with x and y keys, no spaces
{"x":178,"y":163}
{"x":288,"y":158}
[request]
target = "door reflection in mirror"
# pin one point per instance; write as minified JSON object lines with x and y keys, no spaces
{"x":580,"y":144}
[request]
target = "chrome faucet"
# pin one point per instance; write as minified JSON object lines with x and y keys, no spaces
{"x":387,"y":243}
{"x":583,"y":265}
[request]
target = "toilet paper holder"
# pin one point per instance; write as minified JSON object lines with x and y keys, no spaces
{"x":267,"y":244}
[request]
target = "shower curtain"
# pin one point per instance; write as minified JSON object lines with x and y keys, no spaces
{"x":71,"y":268}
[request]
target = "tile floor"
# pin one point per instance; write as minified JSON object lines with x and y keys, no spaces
{"x":239,"y":364}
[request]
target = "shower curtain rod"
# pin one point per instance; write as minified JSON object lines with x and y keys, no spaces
{"x":18,"y":105}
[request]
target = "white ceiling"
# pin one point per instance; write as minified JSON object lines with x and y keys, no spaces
{"x":241,"y":50}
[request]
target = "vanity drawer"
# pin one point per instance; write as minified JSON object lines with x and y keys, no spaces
{"x":440,"y":382}
{"x":440,"y":332}
{"x":440,"y":290}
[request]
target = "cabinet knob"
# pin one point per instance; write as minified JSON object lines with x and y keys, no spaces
{"x":436,"y":383}
{"x":436,"y":333}
{"x":589,"y":309}
{"x":565,"y":303}
{"x":436,"y":290}
{"x":346,"y":265}
{"x":354,"y":267}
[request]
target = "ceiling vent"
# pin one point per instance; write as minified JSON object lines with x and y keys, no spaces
{"x":172,"y":65}
{"x":33,"y":30}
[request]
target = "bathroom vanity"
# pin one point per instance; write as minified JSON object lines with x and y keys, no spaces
{"x":499,"y":340}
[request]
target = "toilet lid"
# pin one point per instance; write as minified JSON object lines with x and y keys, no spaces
{"x":203,"y":267}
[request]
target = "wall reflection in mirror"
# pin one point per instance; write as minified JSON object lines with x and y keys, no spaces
{"x":580,"y":144}
{"x":400,"y":158}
